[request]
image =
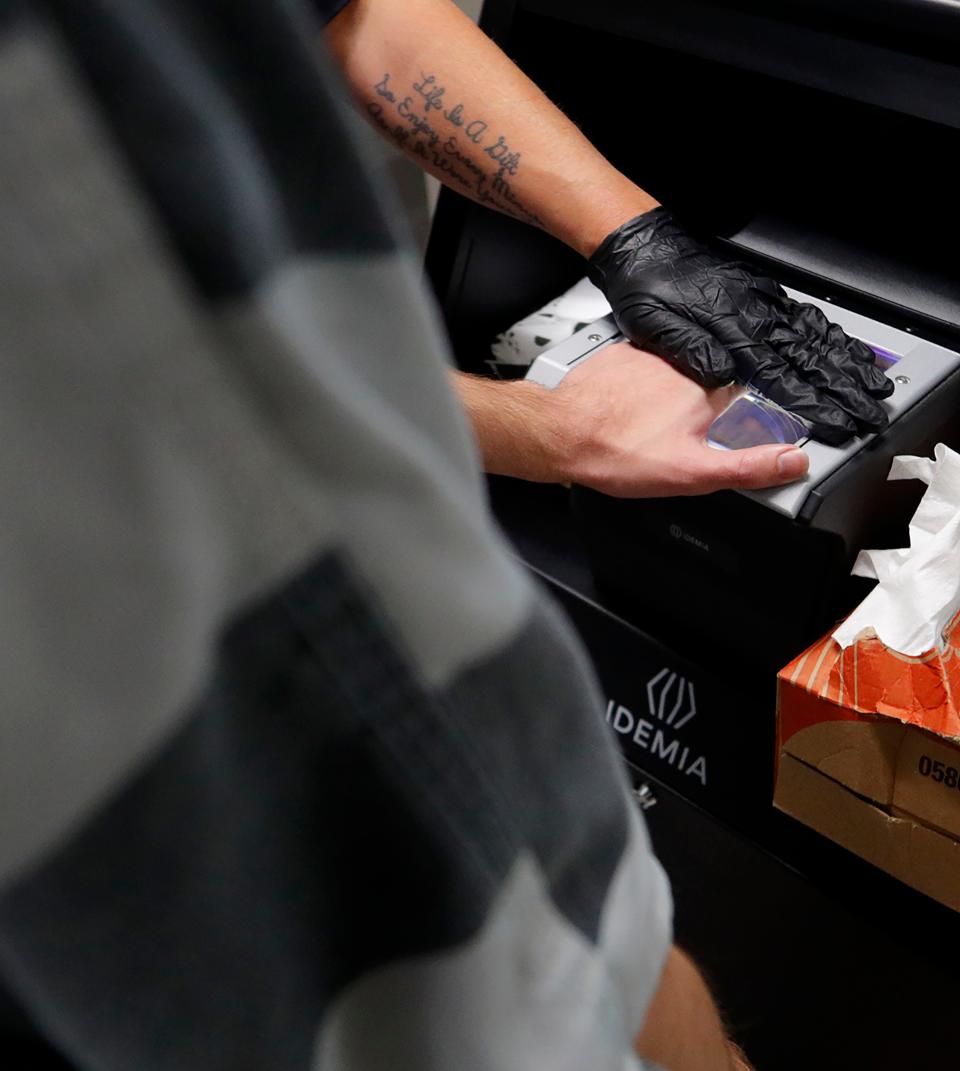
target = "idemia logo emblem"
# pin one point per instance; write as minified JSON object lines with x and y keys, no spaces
{"x":666,"y":686}
{"x":671,"y":704}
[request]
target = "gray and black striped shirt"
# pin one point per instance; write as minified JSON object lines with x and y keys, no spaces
{"x":298,"y":769}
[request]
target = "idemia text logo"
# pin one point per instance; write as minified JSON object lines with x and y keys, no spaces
{"x":671,"y":705}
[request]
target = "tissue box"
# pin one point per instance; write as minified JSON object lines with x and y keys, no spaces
{"x":868,"y":744}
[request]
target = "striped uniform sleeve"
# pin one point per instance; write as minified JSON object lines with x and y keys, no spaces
{"x":298,"y":769}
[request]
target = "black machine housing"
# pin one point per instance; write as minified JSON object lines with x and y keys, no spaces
{"x":725,"y":573}
{"x":815,"y":140}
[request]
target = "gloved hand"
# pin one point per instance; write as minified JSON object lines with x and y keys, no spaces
{"x":718,"y":321}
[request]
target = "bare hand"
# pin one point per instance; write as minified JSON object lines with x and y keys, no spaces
{"x":633,"y":426}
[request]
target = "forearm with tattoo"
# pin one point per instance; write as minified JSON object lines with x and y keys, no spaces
{"x":444,"y":138}
{"x":434,"y":84}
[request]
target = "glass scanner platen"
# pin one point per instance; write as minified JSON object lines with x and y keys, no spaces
{"x":753,"y":420}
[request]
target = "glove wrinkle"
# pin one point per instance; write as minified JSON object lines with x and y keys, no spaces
{"x":719,"y":320}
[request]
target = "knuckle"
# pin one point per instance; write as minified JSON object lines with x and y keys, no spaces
{"x":744,"y":469}
{"x":693,"y":477}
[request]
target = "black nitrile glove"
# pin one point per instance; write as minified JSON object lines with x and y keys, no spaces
{"x":719,"y":321}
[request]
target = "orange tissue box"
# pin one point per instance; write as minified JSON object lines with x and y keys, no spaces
{"x":868,"y":744}
{"x":868,"y":718}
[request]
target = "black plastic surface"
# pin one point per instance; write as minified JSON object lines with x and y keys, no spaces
{"x":899,"y":55}
{"x":722,"y":573}
{"x":842,"y":970}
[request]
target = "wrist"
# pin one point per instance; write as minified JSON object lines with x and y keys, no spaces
{"x":517,"y":427}
{"x":603,"y":211}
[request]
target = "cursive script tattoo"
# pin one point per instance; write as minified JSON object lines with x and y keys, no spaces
{"x":432,"y":93}
{"x":414,"y":122}
{"x":382,"y":89}
{"x":508,"y":161}
{"x":419,"y":123}
{"x":455,"y":115}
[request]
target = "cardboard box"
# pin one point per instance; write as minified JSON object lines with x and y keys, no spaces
{"x":868,"y":745}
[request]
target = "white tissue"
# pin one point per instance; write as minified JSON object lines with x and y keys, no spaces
{"x":918,"y":589}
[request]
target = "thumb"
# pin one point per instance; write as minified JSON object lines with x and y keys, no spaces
{"x":751,"y":469}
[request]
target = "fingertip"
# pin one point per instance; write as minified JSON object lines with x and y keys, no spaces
{"x":867,"y":372}
{"x":758,"y":467}
{"x":769,"y":466}
{"x":884,"y":389}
